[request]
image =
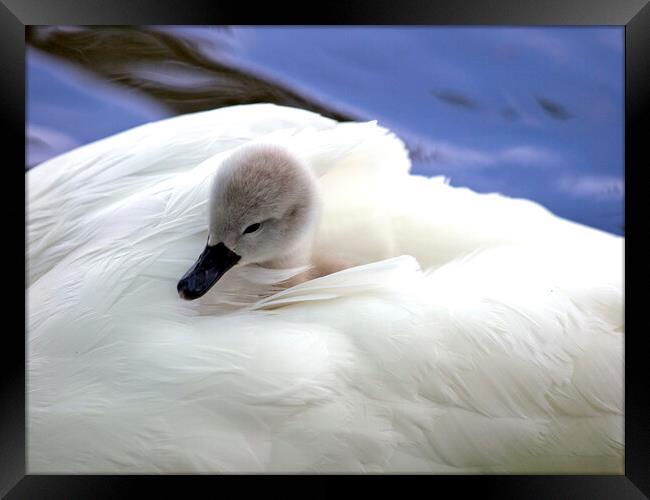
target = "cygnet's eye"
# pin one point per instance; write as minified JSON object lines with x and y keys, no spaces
{"x":252,"y":228}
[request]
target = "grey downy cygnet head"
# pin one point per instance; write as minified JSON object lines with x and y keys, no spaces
{"x":264,"y":208}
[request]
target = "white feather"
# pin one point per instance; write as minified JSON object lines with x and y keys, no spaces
{"x":504,"y":355}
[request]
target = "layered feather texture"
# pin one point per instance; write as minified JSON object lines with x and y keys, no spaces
{"x":477,"y":334}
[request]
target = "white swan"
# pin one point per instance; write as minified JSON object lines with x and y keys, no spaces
{"x":504,"y":355}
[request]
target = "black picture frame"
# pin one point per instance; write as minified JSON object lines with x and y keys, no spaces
{"x":634,"y":15}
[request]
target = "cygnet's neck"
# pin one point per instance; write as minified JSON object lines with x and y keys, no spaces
{"x":300,"y":258}
{"x":317,"y":264}
{"x":300,"y":255}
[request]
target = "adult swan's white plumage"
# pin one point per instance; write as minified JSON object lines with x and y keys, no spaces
{"x":477,"y":333}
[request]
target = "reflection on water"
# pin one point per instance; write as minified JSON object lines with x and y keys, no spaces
{"x":168,"y":68}
{"x":535,"y":112}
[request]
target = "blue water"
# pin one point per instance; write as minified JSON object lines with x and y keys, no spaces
{"x":528,"y":112}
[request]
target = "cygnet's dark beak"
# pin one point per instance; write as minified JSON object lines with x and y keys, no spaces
{"x":211,"y":265}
